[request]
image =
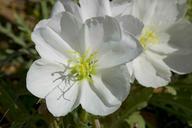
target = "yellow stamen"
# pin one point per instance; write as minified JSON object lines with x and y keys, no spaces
{"x":83,"y":66}
{"x":148,"y":37}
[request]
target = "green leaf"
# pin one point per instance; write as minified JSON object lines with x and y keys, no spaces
{"x":137,"y":100}
{"x":180,"y":104}
{"x":9,"y":101}
{"x":136,"y":121}
{"x":45,"y":10}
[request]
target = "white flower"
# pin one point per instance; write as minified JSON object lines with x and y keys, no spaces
{"x":166,"y":39}
{"x":81,"y":64}
{"x":119,"y":9}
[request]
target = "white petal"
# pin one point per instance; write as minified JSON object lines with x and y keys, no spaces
{"x":140,"y":8}
{"x":131,"y":24}
{"x":103,"y":92}
{"x":117,"y":81}
{"x":112,"y":85}
{"x":119,"y":52}
{"x":41,"y":24}
{"x":40,"y":80}
{"x":121,"y":7}
{"x":55,"y":41}
{"x":93,"y":104}
{"x":157,"y":61}
{"x":162,"y":47}
{"x":131,"y":71}
{"x":47,"y":39}
{"x":180,"y":38}
{"x":179,"y":63}
{"x":53,"y":23}
{"x":180,"y":35}
{"x":150,"y":74}
{"x":94,"y":8}
{"x":71,"y":32}
{"x":58,"y":8}
{"x":99,"y":30}
{"x":72,"y":7}
{"x":60,"y":103}
{"x":182,"y":7}
{"x":48,"y":42}
{"x":162,"y":13}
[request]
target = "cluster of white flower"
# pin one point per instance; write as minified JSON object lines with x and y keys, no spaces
{"x":92,"y":50}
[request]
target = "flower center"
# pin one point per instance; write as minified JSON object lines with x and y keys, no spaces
{"x":147,"y":37}
{"x":80,"y":67}
{"x":83,"y":66}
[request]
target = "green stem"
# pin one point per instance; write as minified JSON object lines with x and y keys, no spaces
{"x":84,"y":116}
{"x":96,"y":123}
{"x":83,"y":119}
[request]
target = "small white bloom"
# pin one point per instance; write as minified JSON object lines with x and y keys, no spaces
{"x":81,"y":63}
{"x":166,"y":39}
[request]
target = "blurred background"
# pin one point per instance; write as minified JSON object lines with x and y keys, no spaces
{"x":168,"y":107}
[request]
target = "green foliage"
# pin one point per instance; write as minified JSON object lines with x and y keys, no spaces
{"x":179,"y":104}
{"x":189,"y":12}
{"x":136,"y":120}
{"x":137,"y":100}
